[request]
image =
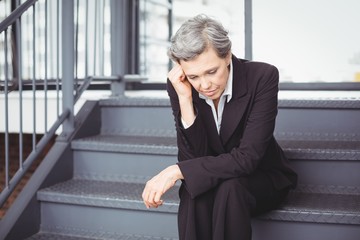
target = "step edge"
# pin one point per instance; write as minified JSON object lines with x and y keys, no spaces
{"x":327,"y":189}
{"x":322,"y":154}
{"x":101,"y":200}
{"x":304,"y":214}
{"x":289,"y":215}
{"x":313,"y":136}
{"x":312,"y":217}
{"x":138,"y":132}
{"x":124,"y":148}
{"x":96,"y":235}
{"x":321,"y":102}
{"x":135,"y":102}
{"x":104,"y":202}
{"x":171,"y":149}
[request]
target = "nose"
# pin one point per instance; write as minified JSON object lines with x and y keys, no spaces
{"x":205,"y":84}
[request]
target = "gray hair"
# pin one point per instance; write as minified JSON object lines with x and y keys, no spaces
{"x":196,"y":35}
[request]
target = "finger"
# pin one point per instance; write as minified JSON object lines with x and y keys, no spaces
{"x":151,"y":198}
{"x":157,"y":201}
{"x":182,"y":77}
{"x":160,"y":203}
{"x":157,"y":198}
{"x":176,"y":74}
{"x":145,"y":197}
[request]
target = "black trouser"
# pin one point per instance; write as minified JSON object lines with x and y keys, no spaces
{"x":225,"y":212}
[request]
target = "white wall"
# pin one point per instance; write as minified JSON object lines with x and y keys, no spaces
{"x":309,"y":40}
{"x":28,"y":125}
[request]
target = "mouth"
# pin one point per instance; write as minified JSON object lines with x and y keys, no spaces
{"x":209,"y":93}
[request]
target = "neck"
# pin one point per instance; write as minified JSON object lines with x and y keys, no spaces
{"x":216,"y":103}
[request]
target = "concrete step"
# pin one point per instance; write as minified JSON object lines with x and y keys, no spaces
{"x":113,"y":157}
{"x":117,"y":208}
{"x":283,"y":230}
{"x":53,"y":236}
{"x":320,"y":118}
{"x":99,"y":207}
{"x":152,"y":117}
{"x":312,"y":216}
{"x":130,"y":144}
{"x":335,"y":163}
{"x":314,"y":207}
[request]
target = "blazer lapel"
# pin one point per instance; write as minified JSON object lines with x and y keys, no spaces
{"x":235,"y":109}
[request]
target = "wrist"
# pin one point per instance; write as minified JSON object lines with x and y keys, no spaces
{"x":187,"y":110}
{"x":185,"y":99}
{"x":176,"y":172}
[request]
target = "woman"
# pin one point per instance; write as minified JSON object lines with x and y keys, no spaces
{"x":230,"y":164}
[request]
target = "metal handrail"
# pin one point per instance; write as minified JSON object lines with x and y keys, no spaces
{"x":63,"y":116}
{"x":70,"y":89}
{"x":15,"y":180}
{"x":11,"y":19}
{"x":12,"y":182}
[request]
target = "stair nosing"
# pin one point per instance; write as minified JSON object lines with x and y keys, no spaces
{"x":144,"y":148}
{"x":284,"y":213}
{"x":135,"y":102}
{"x":321,"y":154}
{"x":96,"y":143}
{"x":321,"y":102}
{"x":99,"y":200}
{"x":50,"y":232}
{"x":312,"y":217}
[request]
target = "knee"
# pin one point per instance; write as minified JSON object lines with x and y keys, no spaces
{"x":235,"y":190}
{"x":232,"y":186}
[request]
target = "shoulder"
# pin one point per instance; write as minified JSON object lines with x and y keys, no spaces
{"x":255,"y":71}
{"x":253,"y":67}
{"x":255,"y":75}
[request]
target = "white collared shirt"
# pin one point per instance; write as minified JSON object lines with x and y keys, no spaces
{"x":225,"y":96}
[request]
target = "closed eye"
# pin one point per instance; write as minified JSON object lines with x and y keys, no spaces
{"x":209,"y":72}
{"x":212,"y":72}
{"x":192,"y":77}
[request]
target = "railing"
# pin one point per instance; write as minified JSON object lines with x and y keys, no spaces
{"x":58,"y":69}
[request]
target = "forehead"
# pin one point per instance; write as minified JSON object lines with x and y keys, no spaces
{"x":202,"y":63}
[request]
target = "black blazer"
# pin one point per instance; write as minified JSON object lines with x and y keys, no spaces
{"x":246,"y":142}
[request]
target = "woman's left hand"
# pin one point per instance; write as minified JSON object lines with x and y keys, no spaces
{"x":159,"y":184}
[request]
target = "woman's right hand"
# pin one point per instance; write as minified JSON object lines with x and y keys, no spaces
{"x":180,"y":82}
{"x":182,"y":87}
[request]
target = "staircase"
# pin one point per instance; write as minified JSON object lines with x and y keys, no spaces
{"x":136,"y":140}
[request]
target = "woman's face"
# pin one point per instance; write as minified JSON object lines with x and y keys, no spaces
{"x":208,"y":73}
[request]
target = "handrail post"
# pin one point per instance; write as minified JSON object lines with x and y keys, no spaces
{"x":248,"y":30}
{"x":119,"y":47}
{"x":68,"y":63}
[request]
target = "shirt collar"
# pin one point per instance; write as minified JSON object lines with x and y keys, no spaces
{"x":229,"y":85}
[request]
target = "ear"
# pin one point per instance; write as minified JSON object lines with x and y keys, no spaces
{"x":228,"y":58}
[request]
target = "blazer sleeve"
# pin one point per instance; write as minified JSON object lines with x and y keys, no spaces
{"x":192,"y":141}
{"x":206,"y":172}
